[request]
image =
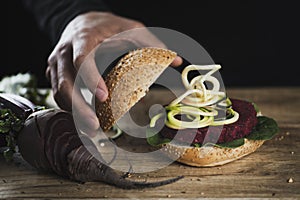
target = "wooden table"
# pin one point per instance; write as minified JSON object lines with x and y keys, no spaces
{"x":273,"y":171}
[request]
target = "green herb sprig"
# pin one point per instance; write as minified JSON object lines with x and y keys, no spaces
{"x":10,"y":125}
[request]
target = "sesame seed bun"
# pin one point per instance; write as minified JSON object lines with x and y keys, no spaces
{"x":209,"y":156}
{"x":129,"y":81}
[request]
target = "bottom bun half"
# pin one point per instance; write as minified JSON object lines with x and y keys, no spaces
{"x":211,"y":155}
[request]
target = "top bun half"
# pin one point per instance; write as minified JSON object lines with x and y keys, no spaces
{"x":129,"y":81}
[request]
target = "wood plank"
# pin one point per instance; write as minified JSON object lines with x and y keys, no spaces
{"x":263,"y":174}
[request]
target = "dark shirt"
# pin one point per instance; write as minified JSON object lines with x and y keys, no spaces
{"x":254,"y":41}
{"x":53,"y":15}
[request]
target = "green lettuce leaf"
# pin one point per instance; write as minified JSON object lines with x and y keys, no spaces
{"x":154,"y":138}
{"x":264,"y":130}
{"x":232,"y":144}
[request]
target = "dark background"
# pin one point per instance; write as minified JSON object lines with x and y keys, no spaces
{"x":256,"y":42}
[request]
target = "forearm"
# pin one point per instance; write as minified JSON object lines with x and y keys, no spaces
{"x":53,"y":15}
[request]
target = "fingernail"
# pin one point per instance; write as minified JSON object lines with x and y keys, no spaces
{"x":177,"y":61}
{"x":101,"y":94}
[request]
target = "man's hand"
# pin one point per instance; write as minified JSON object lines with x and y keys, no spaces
{"x":80,"y":37}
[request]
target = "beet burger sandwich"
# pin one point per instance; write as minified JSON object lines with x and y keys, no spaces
{"x":201,"y":127}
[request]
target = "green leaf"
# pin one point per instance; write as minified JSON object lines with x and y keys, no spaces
{"x":9,"y":121}
{"x":256,"y":107}
{"x":232,"y":144}
{"x":4,"y":128}
{"x":24,"y":85}
{"x":154,"y":138}
{"x":264,"y":130}
{"x":10,"y":125}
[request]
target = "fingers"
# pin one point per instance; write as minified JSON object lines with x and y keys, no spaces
{"x":61,"y":76}
{"x":65,"y":83}
{"x":47,"y":73}
{"x":69,"y":97}
{"x":86,"y":118}
{"x":177,"y":62}
{"x":88,"y":71}
{"x":54,"y":85}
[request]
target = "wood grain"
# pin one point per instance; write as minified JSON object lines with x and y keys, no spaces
{"x":263,"y":174}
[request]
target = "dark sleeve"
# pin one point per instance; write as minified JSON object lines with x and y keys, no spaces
{"x":53,"y":15}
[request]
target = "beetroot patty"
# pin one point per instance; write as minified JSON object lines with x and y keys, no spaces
{"x":241,"y":128}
